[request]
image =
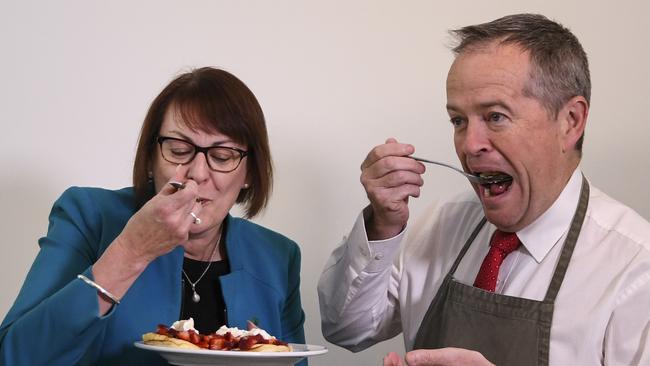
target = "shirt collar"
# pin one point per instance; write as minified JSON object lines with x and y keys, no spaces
{"x":545,"y":232}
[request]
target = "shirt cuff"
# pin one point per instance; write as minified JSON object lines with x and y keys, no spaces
{"x":372,"y":256}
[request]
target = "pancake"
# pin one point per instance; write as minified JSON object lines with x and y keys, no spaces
{"x":270,"y":348}
{"x":155,"y":339}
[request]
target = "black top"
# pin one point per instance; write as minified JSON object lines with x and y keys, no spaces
{"x":209,"y":314}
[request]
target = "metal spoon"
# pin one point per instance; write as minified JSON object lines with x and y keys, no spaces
{"x":177,"y":185}
{"x":496,"y":179}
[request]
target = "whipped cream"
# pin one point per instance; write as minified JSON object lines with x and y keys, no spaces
{"x":236,"y":332}
{"x":184,"y":325}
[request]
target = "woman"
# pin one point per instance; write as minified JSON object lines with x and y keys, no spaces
{"x":115,"y":264}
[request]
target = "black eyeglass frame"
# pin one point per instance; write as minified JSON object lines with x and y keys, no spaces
{"x":200,"y":149}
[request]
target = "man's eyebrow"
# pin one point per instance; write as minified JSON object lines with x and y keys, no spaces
{"x":483,"y":105}
{"x":495,"y":103}
{"x":451,"y":108}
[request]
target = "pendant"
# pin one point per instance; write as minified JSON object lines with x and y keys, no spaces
{"x":196,"y":298}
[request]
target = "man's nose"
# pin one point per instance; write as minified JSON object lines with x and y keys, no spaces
{"x":474,"y":139}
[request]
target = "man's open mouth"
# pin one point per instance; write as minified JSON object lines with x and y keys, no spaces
{"x":494,"y":183}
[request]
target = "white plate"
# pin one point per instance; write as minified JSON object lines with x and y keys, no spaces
{"x":194,"y":357}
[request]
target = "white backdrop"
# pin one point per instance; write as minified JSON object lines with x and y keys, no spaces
{"x":334,"y":79}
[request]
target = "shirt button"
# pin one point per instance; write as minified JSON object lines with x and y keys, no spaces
{"x":379,"y":256}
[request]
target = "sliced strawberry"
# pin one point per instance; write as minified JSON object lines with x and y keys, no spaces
{"x":162,"y":330}
{"x":184,"y":335}
{"x":217,"y":343}
{"x":246,"y":343}
{"x":278,"y":342}
{"x":195,"y":338}
{"x":230,"y":344}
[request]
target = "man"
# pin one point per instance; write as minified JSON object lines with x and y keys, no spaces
{"x":559,"y":274}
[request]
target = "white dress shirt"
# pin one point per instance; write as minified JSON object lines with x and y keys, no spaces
{"x":372,"y":291}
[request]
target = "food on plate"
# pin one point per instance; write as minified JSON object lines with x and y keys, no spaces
{"x":183,"y":335}
{"x":155,"y":339}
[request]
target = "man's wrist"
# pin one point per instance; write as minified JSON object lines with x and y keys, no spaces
{"x":378,"y":229}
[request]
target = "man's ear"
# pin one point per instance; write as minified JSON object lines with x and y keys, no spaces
{"x":573,"y":118}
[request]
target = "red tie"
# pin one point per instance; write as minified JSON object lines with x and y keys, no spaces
{"x":501,"y":245}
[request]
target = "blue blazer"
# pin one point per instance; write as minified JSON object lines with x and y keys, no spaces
{"x":55,"y":321}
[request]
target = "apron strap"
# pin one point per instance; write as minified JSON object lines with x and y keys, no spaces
{"x":569,"y":244}
{"x":420,"y":337}
{"x":469,"y":241}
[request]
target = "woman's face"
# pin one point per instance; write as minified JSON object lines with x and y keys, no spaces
{"x":217,"y":191}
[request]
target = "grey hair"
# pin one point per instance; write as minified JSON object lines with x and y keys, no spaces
{"x":560,"y":70}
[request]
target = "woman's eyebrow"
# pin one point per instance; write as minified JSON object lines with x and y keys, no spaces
{"x":185,"y":137}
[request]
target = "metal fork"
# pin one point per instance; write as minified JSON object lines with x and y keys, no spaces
{"x":472,"y":177}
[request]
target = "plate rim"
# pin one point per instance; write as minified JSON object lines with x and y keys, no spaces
{"x":234,"y":354}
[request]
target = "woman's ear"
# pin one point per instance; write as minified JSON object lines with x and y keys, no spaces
{"x":573,"y":118}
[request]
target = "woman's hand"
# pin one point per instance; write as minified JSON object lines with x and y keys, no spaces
{"x":162,"y":223}
{"x":390,"y":177}
{"x":157,"y":228}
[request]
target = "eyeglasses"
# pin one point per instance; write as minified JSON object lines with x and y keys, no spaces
{"x":220,"y":158}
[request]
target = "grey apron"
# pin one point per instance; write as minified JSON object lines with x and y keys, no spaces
{"x":507,"y":330}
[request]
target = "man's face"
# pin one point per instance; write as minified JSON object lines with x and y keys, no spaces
{"x":499,"y":129}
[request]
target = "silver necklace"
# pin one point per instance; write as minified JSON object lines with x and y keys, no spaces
{"x":195,"y":296}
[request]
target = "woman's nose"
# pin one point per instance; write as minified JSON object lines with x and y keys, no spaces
{"x":198,"y":169}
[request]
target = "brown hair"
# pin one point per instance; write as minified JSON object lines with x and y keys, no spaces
{"x":560,"y":70}
{"x":210,"y":100}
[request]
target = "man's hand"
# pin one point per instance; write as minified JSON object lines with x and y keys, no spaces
{"x":449,"y":356}
{"x":390,"y":177}
{"x":392,"y":359}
